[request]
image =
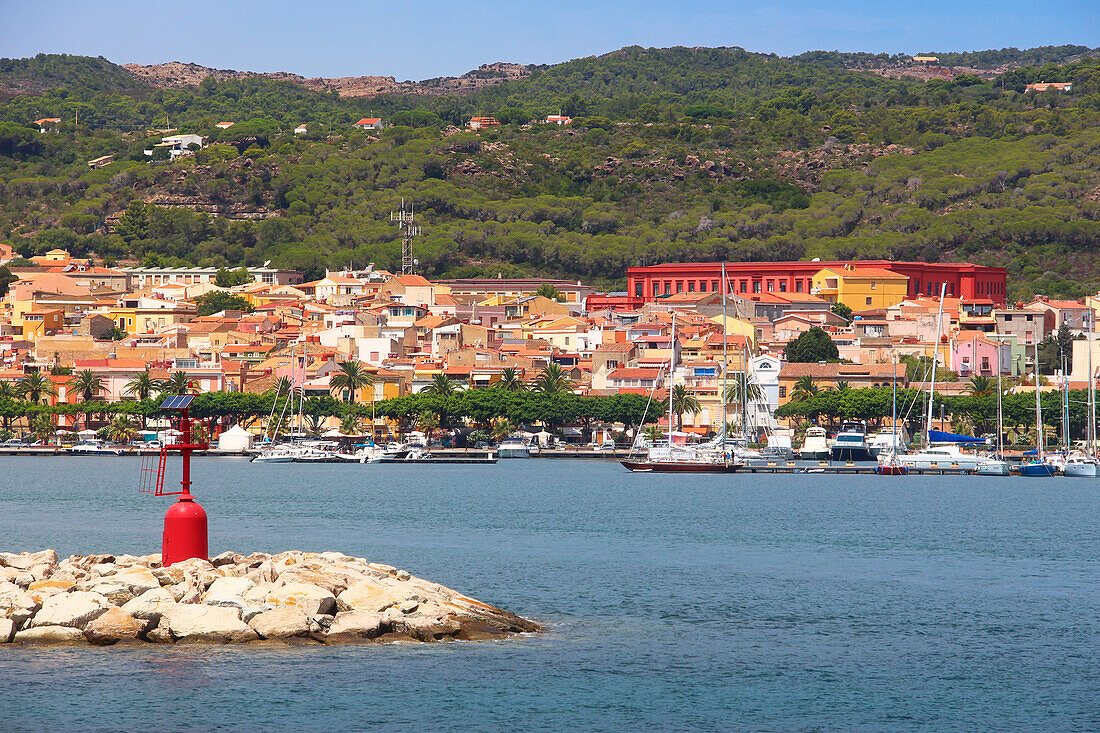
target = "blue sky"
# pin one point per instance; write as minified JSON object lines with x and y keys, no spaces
{"x":417,"y":40}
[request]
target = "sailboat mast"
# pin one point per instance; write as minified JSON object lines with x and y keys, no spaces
{"x":1038,"y":410}
{"x":932,"y":378}
{"x":725,"y":356}
{"x":894,"y":409}
{"x":671,"y":376}
{"x":1000,"y":413}
{"x":1090,"y":430}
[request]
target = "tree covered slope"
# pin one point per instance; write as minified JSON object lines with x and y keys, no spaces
{"x":676,"y":154}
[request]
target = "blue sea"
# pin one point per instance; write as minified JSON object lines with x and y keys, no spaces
{"x":725,"y":603}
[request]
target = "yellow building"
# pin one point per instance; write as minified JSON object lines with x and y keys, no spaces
{"x":864,"y":288}
{"x":36,"y":323}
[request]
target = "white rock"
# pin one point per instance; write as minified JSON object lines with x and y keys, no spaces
{"x":351,"y":625}
{"x":150,"y":605}
{"x":116,"y":593}
{"x":7,"y":630}
{"x":74,"y":609}
{"x":139,"y":579}
{"x":280,"y":623}
{"x":228,"y":591}
{"x":50,"y":635}
{"x":16,"y":604}
{"x":114,"y":626}
{"x":375,"y":595}
{"x":206,"y":623}
{"x":27,"y":560}
{"x":311,"y":599}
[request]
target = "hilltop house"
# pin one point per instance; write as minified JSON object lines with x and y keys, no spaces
{"x":47,"y":123}
{"x":477,"y":123}
{"x":369,"y":123}
{"x":1056,"y":86}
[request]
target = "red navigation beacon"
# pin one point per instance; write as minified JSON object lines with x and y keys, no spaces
{"x":185,"y":521}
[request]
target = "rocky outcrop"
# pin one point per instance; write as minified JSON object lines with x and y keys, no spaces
{"x":325,"y":597}
{"x":176,"y":75}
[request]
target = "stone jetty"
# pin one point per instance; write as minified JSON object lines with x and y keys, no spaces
{"x":289,"y":597}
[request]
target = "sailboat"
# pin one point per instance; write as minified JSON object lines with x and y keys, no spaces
{"x":997,"y":465}
{"x":680,"y":459}
{"x":1083,"y":464}
{"x":1039,"y":466}
{"x":888,"y":463}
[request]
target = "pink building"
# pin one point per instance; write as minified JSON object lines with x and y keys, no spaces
{"x":974,"y":354}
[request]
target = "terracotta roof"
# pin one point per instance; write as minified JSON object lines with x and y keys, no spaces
{"x":369,"y":121}
{"x":839,"y":371}
{"x":634,"y":373}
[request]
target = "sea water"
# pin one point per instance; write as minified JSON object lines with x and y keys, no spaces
{"x":670,"y":602}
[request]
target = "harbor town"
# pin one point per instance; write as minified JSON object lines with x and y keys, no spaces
{"x":775,"y":361}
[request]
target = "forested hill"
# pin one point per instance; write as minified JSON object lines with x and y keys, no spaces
{"x":674,"y":154}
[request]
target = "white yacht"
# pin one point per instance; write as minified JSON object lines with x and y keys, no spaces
{"x":850,"y":443}
{"x":942,"y":456}
{"x":1081,"y":465}
{"x":275,"y":454}
{"x":890,"y":439}
{"x":93,"y":448}
{"x":779,"y":448}
{"x":816,"y":445}
{"x":513,"y":448}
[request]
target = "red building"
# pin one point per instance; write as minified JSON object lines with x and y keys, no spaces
{"x":963,"y":280}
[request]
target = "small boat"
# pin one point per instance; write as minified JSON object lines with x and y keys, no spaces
{"x":1040,"y":468}
{"x":779,"y":448}
{"x":889,"y":465}
{"x":1081,"y":465}
{"x":513,"y":448}
{"x":850,"y":443}
{"x":678,"y":466}
{"x":942,"y":456}
{"x":275,"y":454}
{"x":993,"y":466}
{"x":93,"y":448}
{"x":816,"y":445}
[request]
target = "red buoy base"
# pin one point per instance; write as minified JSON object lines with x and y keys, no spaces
{"x":184,"y":532}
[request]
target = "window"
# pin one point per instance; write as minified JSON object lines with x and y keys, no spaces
{"x":691,"y":286}
{"x":868,"y":300}
{"x":744,"y":286}
{"x":656,"y":289}
{"x":638,"y":289}
{"x":771,"y":286}
{"x":782,"y":391}
{"x":782,"y":286}
{"x":714,"y":286}
{"x":756,"y":287}
{"x":798,"y":286}
{"x":874,"y":285}
{"x":679,"y":287}
{"x":1008,"y":317}
{"x":668,"y":288}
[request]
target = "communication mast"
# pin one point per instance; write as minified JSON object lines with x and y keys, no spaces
{"x":409,"y":229}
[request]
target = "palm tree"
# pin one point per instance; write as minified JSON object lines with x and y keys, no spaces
{"x":553,"y":380}
{"x":501,"y":428}
{"x":981,"y":386}
{"x":510,"y":381}
{"x":35,"y":386}
{"x":427,"y":421}
{"x":43,"y":427}
{"x":683,"y":401}
{"x":120,"y":429}
{"x":652,"y":433}
{"x":842,"y":385}
{"x":177,"y":383}
{"x":441,"y":385}
{"x":351,"y":378}
{"x":89,"y":385}
{"x":350,"y":425}
{"x":804,"y":389}
{"x":142,"y":386}
{"x":314,"y":423}
{"x":752,"y":392}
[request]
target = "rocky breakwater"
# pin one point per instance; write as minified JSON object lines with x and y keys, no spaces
{"x":291,"y":597}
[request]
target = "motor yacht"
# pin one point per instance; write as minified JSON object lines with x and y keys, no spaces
{"x":93,"y":448}
{"x":850,"y":443}
{"x":816,"y":445}
{"x":513,"y":448}
{"x":942,"y":456}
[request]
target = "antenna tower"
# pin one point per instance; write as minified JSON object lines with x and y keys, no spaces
{"x":409,"y":229}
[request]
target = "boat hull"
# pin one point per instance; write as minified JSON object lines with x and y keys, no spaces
{"x":860,"y":453}
{"x":1043,"y":470}
{"x":1082,"y":470}
{"x":993,"y":468}
{"x":891,"y":470}
{"x":677,"y":467}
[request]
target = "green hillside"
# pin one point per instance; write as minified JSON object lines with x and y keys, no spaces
{"x":52,"y":71}
{"x":676,"y":154}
